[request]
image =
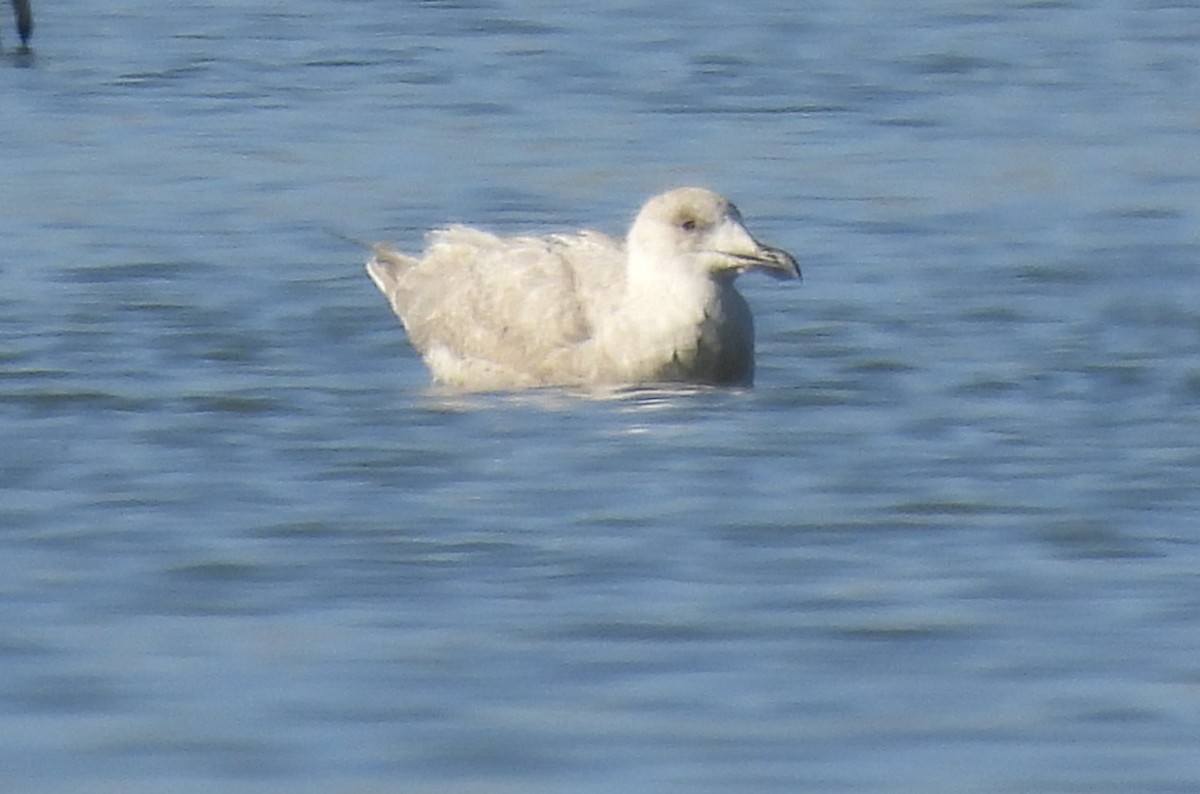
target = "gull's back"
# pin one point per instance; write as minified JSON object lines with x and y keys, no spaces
{"x":490,"y":312}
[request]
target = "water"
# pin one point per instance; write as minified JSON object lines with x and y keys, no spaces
{"x":948,"y":543}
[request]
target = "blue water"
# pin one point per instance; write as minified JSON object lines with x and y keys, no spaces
{"x":949,"y":543}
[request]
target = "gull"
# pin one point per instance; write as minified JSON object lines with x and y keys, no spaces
{"x":491,"y":313}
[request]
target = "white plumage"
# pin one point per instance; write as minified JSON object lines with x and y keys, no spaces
{"x":494,"y":313}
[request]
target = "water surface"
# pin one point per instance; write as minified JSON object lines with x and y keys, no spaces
{"x":947,"y":543}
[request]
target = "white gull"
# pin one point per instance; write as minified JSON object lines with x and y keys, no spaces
{"x":500,"y":313}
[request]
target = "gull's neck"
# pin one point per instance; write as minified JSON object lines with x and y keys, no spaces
{"x":662,"y":314}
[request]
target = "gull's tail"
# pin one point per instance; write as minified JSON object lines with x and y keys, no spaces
{"x":388,"y":268}
{"x":385,"y":264}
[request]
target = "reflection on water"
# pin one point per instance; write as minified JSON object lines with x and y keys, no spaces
{"x":946,"y":543}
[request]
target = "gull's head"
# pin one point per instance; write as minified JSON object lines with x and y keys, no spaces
{"x":703,"y":232}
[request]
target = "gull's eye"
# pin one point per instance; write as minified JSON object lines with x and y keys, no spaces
{"x":688,"y":225}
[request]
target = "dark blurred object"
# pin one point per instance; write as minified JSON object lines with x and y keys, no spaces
{"x":24,"y":20}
